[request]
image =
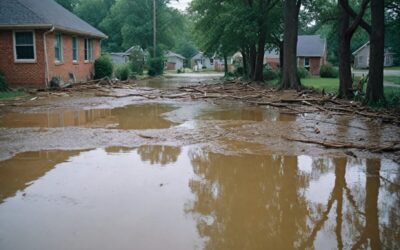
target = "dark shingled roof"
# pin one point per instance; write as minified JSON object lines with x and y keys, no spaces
{"x":42,"y":13}
{"x":310,"y":46}
{"x":307,"y":46}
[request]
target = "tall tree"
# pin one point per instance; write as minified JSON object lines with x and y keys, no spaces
{"x":68,"y":4}
{"x":290,"y":79}
{"x":374,"y":94}
{"x":346,"y":31}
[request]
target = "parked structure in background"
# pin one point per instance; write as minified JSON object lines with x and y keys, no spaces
{"x":40,"y":41}
{"x":174,"y":61}
{"x":200,"y":62}
{"x":119,"y":58}
{"x":361,"y":57}
{"x":311,"y":54}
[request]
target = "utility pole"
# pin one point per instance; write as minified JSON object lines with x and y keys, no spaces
{"x":154,"y":29}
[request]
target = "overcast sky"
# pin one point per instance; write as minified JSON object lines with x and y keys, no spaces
{"x":180,"y":4}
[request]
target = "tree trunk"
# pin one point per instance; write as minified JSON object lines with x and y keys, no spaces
{"x":374,"y":93}
{"x":290,"y":80}
{"x":226,"y":64}
{"x":345,"y":80}
{"x":281,"y":51}
{"x":252,"y":59}
{"x":258,"y":74}
{"x":244,"y":61}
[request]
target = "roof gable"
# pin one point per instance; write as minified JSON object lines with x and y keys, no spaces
{"x":311,"y":46}
{"x":43,"y":12}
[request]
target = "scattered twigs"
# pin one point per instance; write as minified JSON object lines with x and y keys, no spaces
{"x":341,"y":145}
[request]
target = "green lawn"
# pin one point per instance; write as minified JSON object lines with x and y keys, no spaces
{"x":393,"y":68}
{"x":393,"y":79}
{"x":331,"y":85}
{"x":10,"y":94}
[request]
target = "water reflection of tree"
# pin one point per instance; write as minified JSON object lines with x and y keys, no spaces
{"x":158,"y":154}
{"x":248,"y":202}
{"x":366,"y":223}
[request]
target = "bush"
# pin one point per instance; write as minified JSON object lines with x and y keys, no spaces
{"x":302,"y":72}
{"x":270,"y":74}
{"x":103,"y":67}
{"x":3,"y":84}
{"x":122,"y":72}
{"x":239,"y":71}
{"x":156,"y":66}
{"x":328,"y":71}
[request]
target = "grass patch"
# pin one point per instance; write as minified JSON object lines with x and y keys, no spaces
{"x":10,"y":94}
{"x":330,"y":85}
{"x":393,"y":79}
{"x":393,"y":68}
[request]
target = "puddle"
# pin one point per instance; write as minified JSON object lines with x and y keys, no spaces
{"x":245,"y":113}
{"x":163,"y":197}
{"x":146,"y":116}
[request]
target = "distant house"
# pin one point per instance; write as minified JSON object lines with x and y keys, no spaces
{"x":311,"y":54}
{"x":40,"y":40}
{"x":119,"y":58}
{"x":201,"y":61}
{"x":361,"y":57}
{"x":174,"y":61}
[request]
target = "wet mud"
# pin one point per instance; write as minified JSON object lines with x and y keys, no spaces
{"x":136,"y":173}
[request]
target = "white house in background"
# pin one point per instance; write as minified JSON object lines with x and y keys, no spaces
{"x":361,"y":57}
{"x":119,"y":58}
{"x":123,"y":57}
{"x":200,"y":61}
{"x":174,"y":61}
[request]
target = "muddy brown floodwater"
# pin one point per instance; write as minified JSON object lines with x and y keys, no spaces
{"x":189,"y":175}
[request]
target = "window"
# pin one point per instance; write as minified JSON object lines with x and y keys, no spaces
{"x":360,"y":60}
{"x":211,"y":61}
{"x":24,"y":43}
{"x":58,"y":50}
{"x":306,"y":62}
{"x":88,"y":50}
{"x":75,"y":54}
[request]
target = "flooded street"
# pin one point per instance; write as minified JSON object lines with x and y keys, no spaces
{"x":152,"y":174}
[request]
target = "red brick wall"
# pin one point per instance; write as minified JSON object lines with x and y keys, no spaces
{"x":33,"y":74}
{"x":315,"y":64}
{"x":18,"y":73}
{"x":82,"y":70}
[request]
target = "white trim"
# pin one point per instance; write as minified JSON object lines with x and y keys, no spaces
{"x":61,"y":48}
{"x":77,"y":49}
{"x":16,"y":60}
{"x":46,"y":59}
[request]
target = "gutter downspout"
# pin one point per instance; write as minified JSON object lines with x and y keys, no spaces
{"x":45,"y":56}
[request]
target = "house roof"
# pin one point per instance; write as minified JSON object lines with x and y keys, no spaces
{"x":43,"y":14}
{"x":311,"y":46}
{"x":362,"y":47}
{"x":172,"y":54}
{"x":307,"y":46}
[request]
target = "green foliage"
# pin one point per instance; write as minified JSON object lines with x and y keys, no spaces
{"x":68,"y":4}
{"x":3,"y":83}
{"x":10,"y":94}
{"x":136,"y":61}
{"x":122,"y":72}
{"x":131,"y":22}
{"x":328,"y":71}
{"x":239,"y":71}
{"x":93,"y":11}
{"x":302,"y":72}
{"x":156,"y":66}
{"x":270,"y":74}
{"x":103,"y":67}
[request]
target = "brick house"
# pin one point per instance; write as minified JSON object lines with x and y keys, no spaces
{"x":40,"y":40}
{"x":311,"y":54}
